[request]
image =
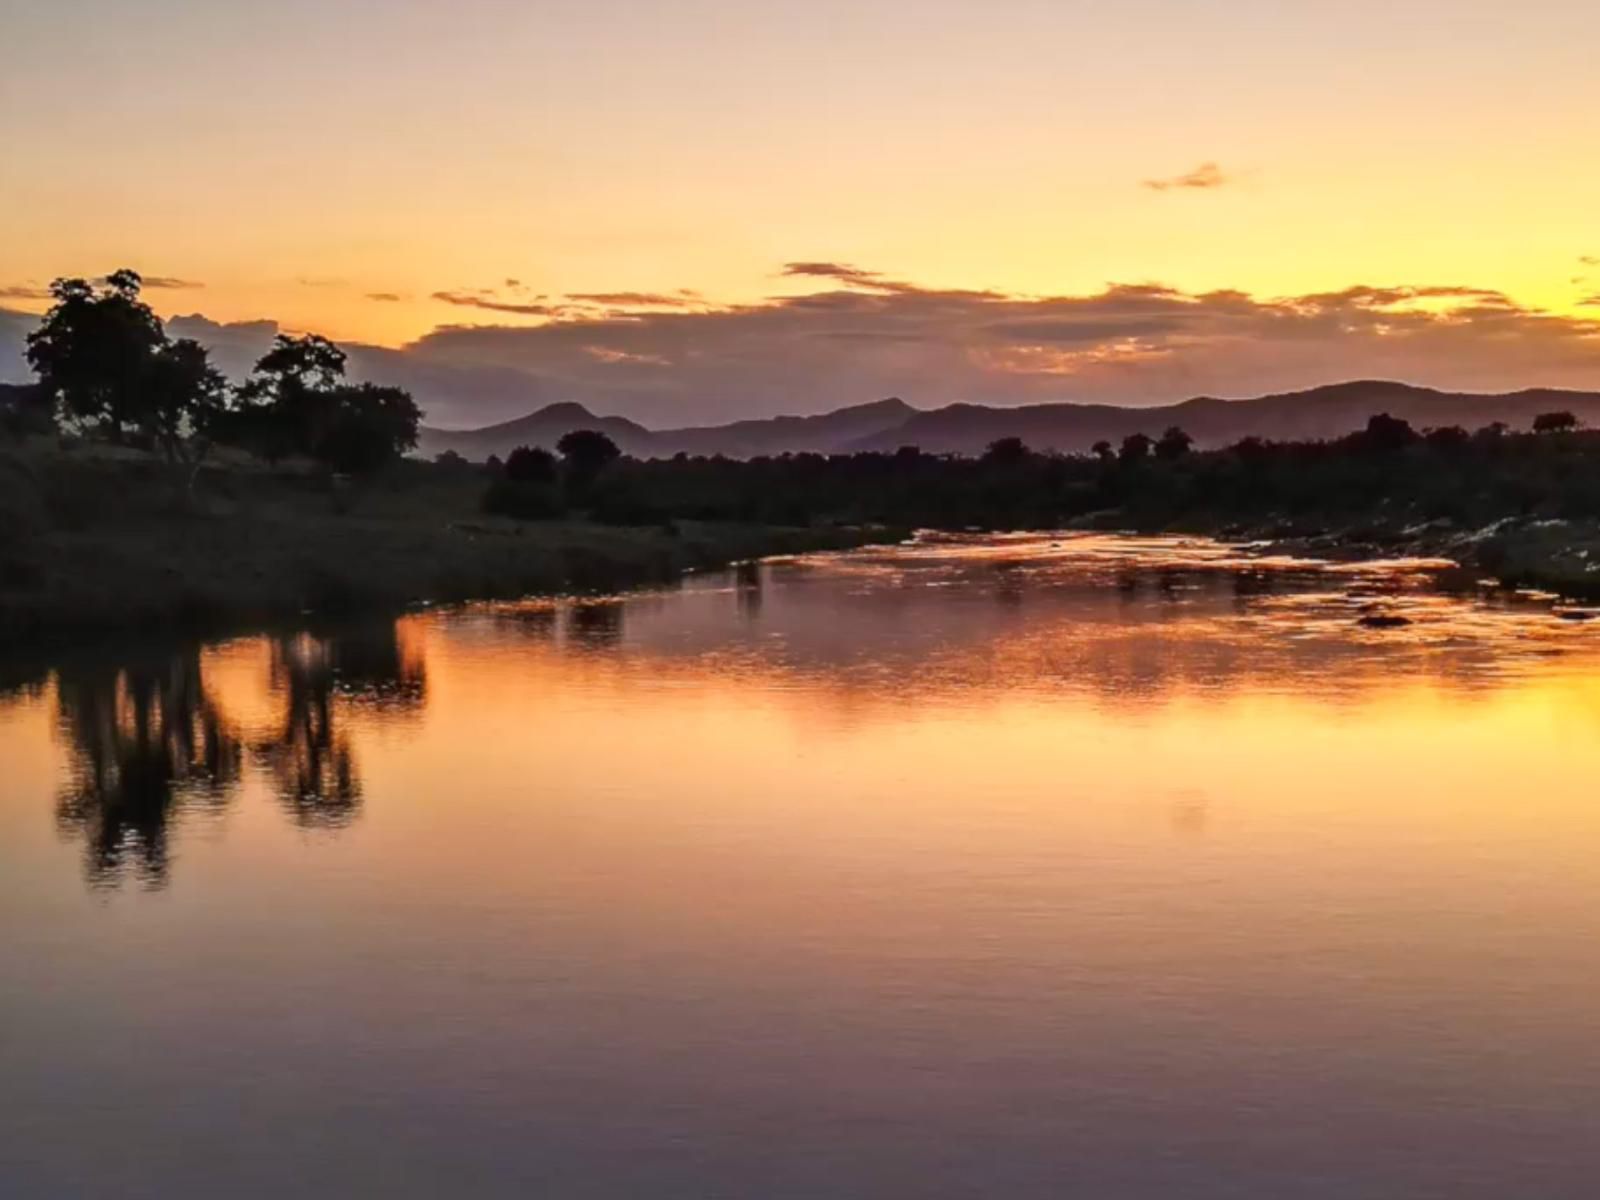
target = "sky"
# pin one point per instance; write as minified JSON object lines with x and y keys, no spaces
{"x":702,"y":209}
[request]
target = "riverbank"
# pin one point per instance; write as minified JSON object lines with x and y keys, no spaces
{"x":1553,"y":555}
{"x":1556,"y":555}
{"x":95,"y":539}
{"x":101,"y":541}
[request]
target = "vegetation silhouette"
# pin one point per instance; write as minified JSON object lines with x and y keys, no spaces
{"x":1147,"y":482}
{"x":533,"y":484}
{"x":106,"y":366}
{"x":1555,"y":422}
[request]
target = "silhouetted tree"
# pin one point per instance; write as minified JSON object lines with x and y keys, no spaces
{"x":286,"y":407}
{"x":1103,"y":451}
{"x":586,"y":452}
{"x":1447,"y":437}
{"x":297,"y":402}
{"x":1385,"y":433}
{"x":1251,"y":449}
{"x":531,"y":464}
{"x":1006,"y":452}
{"x":371,"y":426}
{"x":1555,"y":422}
{"x":1174,"y":443}
{"x":185,"y":399}
{"x":93,"y":352}
{"x":526,"y":486}
{"x":1135,"y":448}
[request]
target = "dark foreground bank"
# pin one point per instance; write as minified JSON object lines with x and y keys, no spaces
{"x":96,"y":539}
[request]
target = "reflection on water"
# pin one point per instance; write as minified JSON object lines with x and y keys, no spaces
{"x":150,"y":741}
{"x":946,"y":620}
{"x":1028,"y":866}
{"x":147,"y":738}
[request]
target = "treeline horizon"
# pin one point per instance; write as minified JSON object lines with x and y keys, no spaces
{"x":1388,"y":472}
{"x":107,"y":370}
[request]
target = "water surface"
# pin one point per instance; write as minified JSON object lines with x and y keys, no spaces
{"x":1025,"y":867}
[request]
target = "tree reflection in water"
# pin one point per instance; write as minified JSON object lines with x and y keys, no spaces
{"x":595,"y":624}
{"x":149,"y":741}
{"x":310,"y":757}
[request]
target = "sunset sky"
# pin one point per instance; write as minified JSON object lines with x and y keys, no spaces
{"x":621,"y":188}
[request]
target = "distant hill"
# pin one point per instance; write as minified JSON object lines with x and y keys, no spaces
{"x":544,"y":427}
{"x":828,"y":433}
{"x":1323,"y":412}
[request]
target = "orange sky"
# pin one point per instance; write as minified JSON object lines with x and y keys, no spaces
{"x":301,"y":159}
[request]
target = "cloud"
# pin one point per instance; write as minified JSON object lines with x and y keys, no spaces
{"x":485,"y":299}
{"x":1128,"y":343}
{"x":385,"y":297}
{"x":1590,"y":301}
{"x":1204,"y":177}
{"x":1138,"y":343}
{"x":316,"y":281}
{"x":846,"y":274}
{"x":630,"y":299}
{"x":148,"y":282}
{"x":1589,"y":260}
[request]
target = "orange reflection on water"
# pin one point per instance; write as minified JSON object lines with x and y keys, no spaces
{"x":1154,"y":835}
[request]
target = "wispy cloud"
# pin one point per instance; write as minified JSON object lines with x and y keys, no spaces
{"x":466,"y":299}
{"x":844,"y":273}
{"x":151,"y":283}
{"x":630,"y":299}
{"x":385,"y":297}
{"x":318,"y":281}
{"x":1204,"y":177}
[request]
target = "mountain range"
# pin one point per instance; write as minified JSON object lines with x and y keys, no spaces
{"x":885,"y":425}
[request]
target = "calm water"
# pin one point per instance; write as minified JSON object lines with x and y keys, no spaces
{"x":1020,"y":868}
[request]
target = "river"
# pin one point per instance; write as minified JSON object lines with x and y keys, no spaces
{"x":1017,"y":867}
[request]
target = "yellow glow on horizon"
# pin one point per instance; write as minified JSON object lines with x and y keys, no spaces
{"x":650,"y":147}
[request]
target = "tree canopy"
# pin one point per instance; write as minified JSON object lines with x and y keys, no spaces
{"x":106,"y":366}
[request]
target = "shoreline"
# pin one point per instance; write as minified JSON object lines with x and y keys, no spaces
{"x":196,"y":584}
{"x":99,"y":543}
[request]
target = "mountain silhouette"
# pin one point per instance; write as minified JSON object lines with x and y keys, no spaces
{"x":885,"y":425}
{"x":542,"y":427}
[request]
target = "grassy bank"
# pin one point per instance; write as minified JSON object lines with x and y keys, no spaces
{"x":96,"y":539}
